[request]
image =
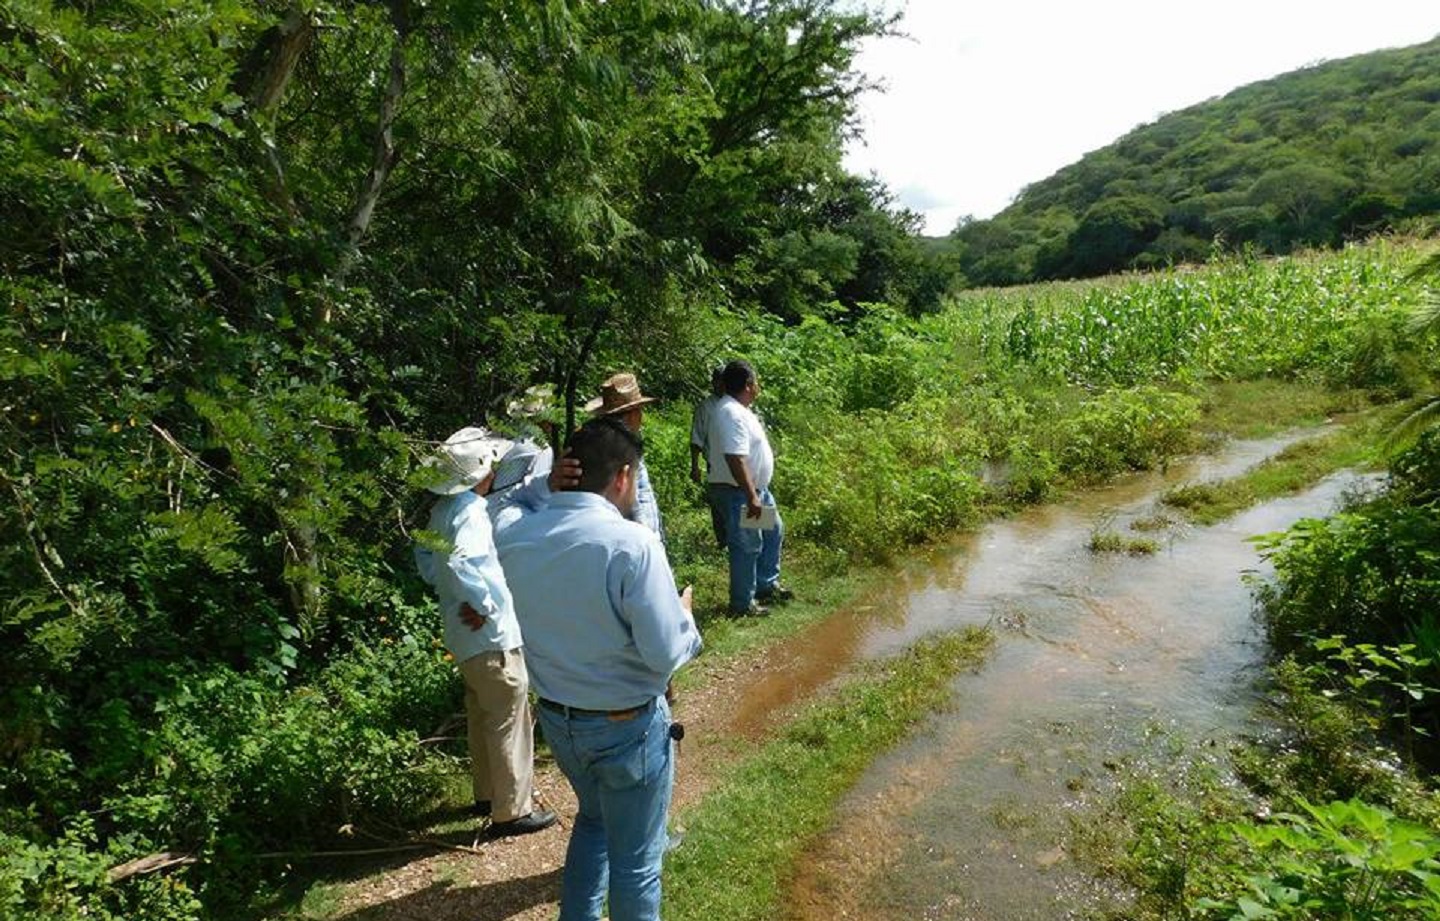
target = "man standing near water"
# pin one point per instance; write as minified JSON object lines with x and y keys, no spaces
{"x":741,"y":465}
{"x":481,"y":633}
{"x":605,"y":632}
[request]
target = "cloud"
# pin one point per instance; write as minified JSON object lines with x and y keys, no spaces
{"x":984,"y":99}
{"x":922,"y":198}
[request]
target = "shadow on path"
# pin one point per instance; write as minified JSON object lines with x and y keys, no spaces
{"x":492,"y":902}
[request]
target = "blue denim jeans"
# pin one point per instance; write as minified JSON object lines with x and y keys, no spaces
{"x":754,"y":554}
{"x":622,"y":773}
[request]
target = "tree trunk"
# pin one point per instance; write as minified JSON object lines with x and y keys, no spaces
{"x":385,"y":153}
{"x":263,"y":79}
{"x":275,"y":58}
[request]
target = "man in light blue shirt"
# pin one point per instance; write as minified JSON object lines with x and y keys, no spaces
{"x":605,"y":632}
{"x":457,"y":557}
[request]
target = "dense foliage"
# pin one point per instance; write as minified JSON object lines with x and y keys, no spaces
{"x":1335,"y":151}
{"x":257,"y":255}
{"x":260,"y":255}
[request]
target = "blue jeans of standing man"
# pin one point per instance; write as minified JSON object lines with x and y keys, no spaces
{"x":622,"y":772}
{"x":754,"y":553}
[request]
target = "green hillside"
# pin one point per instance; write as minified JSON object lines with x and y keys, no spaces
{"x":1331,"y":152}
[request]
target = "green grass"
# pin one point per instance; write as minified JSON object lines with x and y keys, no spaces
{"x":742,"y":840}
{"x":1296,"y":468}
{"x":1171,"y":830}
{"x":1268,"y":406}
{"x":1156,"y":522}
{"x":1114,"y":542}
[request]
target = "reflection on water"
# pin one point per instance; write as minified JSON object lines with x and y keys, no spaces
{"x":1094,"y":653}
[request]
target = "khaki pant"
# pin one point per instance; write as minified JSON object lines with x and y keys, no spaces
{"x":501,"y":732}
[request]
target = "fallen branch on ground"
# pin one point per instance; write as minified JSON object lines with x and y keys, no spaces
{"x":153,"y":863}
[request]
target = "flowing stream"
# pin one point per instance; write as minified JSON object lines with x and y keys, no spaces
{"x":1098,"y":657}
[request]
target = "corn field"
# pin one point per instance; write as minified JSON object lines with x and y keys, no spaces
{"x":1338,"y":315}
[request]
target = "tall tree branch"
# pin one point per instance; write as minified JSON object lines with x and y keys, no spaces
{"x":273,"y":62}
{"x":263,"y":78}
{"x":385,"y":151}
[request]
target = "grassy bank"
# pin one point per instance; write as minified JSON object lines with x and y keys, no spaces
{"x":742,"y":840}
{"x":1354,"y":443}
{"x":1315,"y":823}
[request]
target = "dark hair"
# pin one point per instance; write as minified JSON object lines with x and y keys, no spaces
{"x":603,"y":446}
{"x":717,"y":380}
{"x":737,"y":375}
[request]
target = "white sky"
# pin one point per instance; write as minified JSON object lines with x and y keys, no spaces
{"x":986,"y":96}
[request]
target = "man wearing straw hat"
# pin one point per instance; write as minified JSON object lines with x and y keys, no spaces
{"x":458,"y":559}
{"x":620,"y":398}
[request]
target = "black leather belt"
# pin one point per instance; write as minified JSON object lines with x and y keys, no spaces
{"x":580,"y":711}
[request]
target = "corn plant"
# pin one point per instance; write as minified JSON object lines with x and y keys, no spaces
{"x":1342,"y":318}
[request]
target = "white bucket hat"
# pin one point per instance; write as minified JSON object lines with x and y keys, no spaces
{"x":465,"y":459}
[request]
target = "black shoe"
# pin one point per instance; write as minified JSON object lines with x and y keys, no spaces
{"x":777,"y":594}
{"x":539,"y":820}
{"x":480,"y":809}
{"x":755,"y":610}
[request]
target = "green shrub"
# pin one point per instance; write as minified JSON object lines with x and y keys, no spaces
{"x":221,"y":765}
{"x":1367,"y":573}
{"x":1344,"y":859}
{"x":1132,"y":429}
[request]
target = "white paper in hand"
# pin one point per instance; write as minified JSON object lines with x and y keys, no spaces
{"x":769,"y":517}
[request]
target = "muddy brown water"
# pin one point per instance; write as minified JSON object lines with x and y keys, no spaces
{"x":1098,"y":655}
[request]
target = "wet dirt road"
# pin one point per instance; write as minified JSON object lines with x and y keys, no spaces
{"x":1098,"y":655}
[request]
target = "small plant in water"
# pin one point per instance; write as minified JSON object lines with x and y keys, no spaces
{"x":1115,"y":542}
{"x":1156,"y":522}
{"x":1192,"y":495}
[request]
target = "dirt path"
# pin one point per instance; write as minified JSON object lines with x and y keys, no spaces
{"x":519,"y":878}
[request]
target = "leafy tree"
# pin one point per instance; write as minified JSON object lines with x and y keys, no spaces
{"x":1305,"y":199}
{"x":1112,"y":232}
{"x":257,"y":256}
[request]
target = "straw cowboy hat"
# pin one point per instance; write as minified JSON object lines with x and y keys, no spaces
{"x":617,"y":395}
{"x":465,"y":459}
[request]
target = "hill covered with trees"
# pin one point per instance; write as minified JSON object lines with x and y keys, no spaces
{"x":1327,"y":153}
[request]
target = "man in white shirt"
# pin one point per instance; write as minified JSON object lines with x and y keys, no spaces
{"x":700,"y":447}
{"x":741,"y":465}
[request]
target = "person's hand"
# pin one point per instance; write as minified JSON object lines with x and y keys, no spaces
{"x":696,"y":475}
{"x":687,"y":598}
{"x":752,"y":507}
{"x":564,"y":474}
{"x":471,"y":617}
